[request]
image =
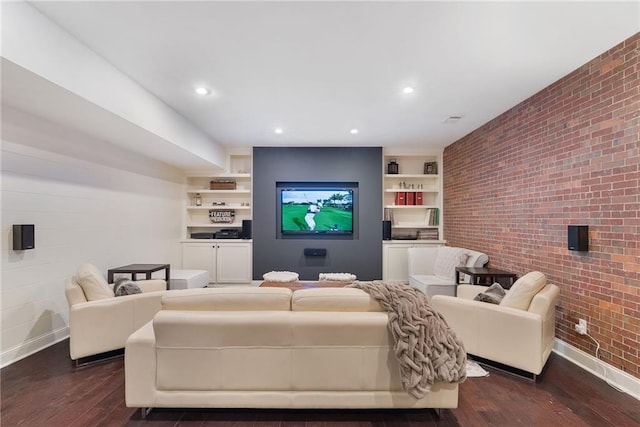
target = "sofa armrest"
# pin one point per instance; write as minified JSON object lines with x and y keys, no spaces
{"x":140,"y":368}
{"x":502,"y":334}
{"x":153,"y":285}
{"x":104,"y":325}
{"x":469,"y":292}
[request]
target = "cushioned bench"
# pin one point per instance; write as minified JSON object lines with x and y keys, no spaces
{"x":188,"y":279}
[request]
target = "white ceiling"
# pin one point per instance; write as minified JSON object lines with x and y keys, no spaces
{"x":319,"y":69}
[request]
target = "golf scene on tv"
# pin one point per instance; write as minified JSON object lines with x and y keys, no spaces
{"x":316,"y":211}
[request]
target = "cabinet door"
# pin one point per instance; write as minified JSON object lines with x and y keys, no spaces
{"x":200,"y":256}
{"x":234,"y":263}
{"x":395,"y":261}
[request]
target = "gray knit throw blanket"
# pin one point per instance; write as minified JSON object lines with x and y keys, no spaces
{"x":427,"y":350}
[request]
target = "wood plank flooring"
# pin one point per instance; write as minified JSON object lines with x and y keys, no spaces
{"x":45,"y":389}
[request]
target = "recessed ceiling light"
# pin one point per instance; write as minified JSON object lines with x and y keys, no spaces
{"x":353,"y":131}
{"x":407,"y":90}
{"x":202,"y":91}
{"x":278,"y":131}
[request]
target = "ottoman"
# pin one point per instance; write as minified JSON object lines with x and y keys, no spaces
{"x":187,"y":279}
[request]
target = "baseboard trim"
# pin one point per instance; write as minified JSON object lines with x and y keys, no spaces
{"x":32,"y":346}
{"x":614,"y":376}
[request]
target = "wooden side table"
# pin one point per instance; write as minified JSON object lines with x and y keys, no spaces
{"x":485,"y":276}
{"x":146,"y":269}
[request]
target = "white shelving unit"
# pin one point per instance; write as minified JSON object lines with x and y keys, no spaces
{"x":420,"y":216}
{"x":226,"y":260}
{"x":421,"y":212}
{"x":238,"y":200}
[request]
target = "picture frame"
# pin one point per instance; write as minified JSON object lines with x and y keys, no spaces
{"x":431,"y":168}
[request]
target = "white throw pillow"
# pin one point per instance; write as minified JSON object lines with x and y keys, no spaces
{"x":93,"y":283}
{"x":280,"y":276}
{"x":447,"y":260}
{"x":523,"y":291}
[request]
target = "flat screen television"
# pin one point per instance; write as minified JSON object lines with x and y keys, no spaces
{"x":316,"y":211}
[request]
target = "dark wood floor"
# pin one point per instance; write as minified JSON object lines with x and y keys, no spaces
{"x":46,"y":390}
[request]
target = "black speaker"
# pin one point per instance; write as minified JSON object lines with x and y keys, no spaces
{"x":23,"y":237}
{"x":578,"y":238}
{"x":315,"y":252}
{"x":246,"y":229}
{"x":386,"y":230}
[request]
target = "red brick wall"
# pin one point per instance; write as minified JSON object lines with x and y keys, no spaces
{"x":568,"y":155}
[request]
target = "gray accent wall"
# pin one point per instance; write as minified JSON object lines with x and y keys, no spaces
{"x":360,"y":254}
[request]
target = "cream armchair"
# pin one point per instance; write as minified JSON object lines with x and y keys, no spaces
{"x":102,"y":325}
{"x":521,"y":338}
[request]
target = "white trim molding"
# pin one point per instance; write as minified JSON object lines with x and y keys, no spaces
{"x":32,"y":346}
{"x":612,"y":375}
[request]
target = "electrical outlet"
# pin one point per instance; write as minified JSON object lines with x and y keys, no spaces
{"x":581,"y":327}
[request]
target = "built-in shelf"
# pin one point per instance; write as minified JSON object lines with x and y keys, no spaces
{"x":418,"y":211}
{"x":238,"y":200}
{"x":218,"y":207}
{"x":411,"y":175}
{"x":220,"y":175}
{"x":216,"y":225}
{"x":416,"y":225}
{"x":238,"y":191}
{"x":411,"y":206}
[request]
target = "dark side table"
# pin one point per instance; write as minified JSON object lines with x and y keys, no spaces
{"x":485,"y":276}
{"x":134,"y":269}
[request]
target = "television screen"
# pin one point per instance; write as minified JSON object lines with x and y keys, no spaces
{"x":316,"y":211}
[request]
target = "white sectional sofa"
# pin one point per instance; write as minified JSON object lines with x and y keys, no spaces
{"x":432,"y":268}
{"x":252,"y":347}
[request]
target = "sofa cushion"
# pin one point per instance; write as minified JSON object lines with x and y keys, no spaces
{"x":333,"y":299}
{"x":93,"y":283}
{"x":237,"y":298}
{"x":493,"y":295}
{"x":523,"y":290}
{"x":447,"y":259}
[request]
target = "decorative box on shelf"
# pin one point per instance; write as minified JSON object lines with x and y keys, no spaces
{"x":222,"y":184}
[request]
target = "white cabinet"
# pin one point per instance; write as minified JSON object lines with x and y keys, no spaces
{"x":412,"y":197}
{"x":395,"y":259}
{"x":226,"y":262}
{"x":233,"y":263}
{"x":206,"y":206}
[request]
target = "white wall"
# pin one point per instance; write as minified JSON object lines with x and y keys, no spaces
{"x":86,"y":207}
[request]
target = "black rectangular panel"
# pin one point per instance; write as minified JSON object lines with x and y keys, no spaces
{"x":578,"y":238}
{"x":23,"y":237}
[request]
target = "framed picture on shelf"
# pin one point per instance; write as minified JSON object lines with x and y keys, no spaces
{"x":431,"y":168}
